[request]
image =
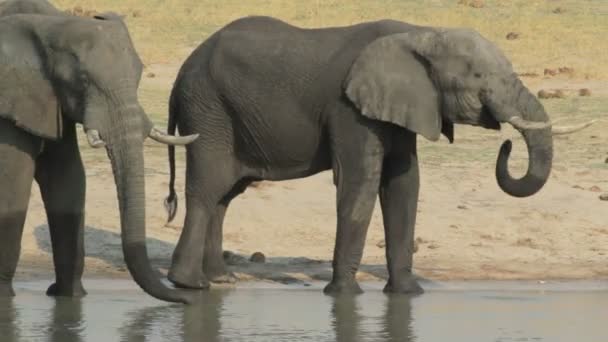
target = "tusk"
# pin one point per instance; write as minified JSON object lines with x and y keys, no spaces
{"x":521,"y":124}
{"x":165,"y":138}
{"x":94,"y":139}
{"x":571,"y":129}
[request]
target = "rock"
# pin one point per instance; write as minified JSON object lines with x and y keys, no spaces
{"x":381,"y":244}
{"x":595,"y":188}
{"x":136,"y":14}
{"x":606,"y":161}
{"x":233,"y":259}
{"x":512,"y":36}
{"x":559,"y":10}
{"x":432,"y":246}
{"x":421,"y":240}
{"x":543,"y":94}
{"x":584,"y":92}
{"x":550,"y":72}
{"x":559,"y":94}
{"x":150,"y":75}
{"x":462,"y":206}
{"x":566,"y":70}
{"x":258,"y":257}
{"x":472,"y":3}
{"x":604,"y":197}
{"x":528,"y":74}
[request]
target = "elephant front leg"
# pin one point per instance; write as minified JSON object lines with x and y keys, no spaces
{"x":18,"y":151}
{"x":399,"y":200}
{"x":357,"y":176}
{"x":61,"y":177}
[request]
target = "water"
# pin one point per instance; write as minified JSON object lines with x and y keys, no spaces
{"x":117,"y":311}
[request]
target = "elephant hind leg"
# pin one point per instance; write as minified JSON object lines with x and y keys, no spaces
{"x":209,"y":177}
{"x":18,"y":151}
{"x":214,"y":266}
{"x":61,"y":177}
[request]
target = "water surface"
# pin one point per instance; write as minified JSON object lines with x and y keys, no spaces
{"x":118,"y":311}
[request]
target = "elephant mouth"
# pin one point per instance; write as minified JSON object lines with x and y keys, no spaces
{"x":487,"y":119}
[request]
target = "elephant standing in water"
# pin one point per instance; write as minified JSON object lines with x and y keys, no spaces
{"x":274,"y":102}
{"x":56,"y":71}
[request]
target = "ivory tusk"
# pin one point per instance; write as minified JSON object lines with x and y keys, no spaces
{"x":522,"y":124}
{"x":571,"y":129}
{"x":165,"y":138}
{"x":94,"y":139}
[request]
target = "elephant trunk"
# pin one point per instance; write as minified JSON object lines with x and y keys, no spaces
{"x":124,"y":144}
{"x":537,"y":134}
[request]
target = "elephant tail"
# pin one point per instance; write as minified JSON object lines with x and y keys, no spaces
{"x":171,"y":200}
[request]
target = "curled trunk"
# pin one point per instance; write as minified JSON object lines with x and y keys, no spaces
{"x":539,"y":143}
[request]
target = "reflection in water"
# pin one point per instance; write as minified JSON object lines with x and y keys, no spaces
{"x":304,"y":315}
{"x":170,"y":322}
{"x":346,"y":319}
{"x":66,"y":324}
{"x":8,"y":320}
{"x":398,"y":319}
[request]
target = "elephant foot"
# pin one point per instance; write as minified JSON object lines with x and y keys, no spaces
{"x":191,"y":281}
{"x":219,"y":275}
{"x":347,"y":287}
{"x":223,"y":278}
{"x":73,"y":290}
{"x":6,"y":290}
{"x":406,"y":285}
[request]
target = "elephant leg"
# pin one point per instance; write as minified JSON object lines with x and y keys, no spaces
{"x":18,"y":151}
{"x":61,"y":177}
{"x":214,"y":266}
{"x":206,"y":186}
{"x":399,"y":200}
{"x":357,"y":171}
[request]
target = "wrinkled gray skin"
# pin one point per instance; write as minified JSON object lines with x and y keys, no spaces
{"x":56,"y":71}
{"x":276,"y":102}
{"x":9,"y":7}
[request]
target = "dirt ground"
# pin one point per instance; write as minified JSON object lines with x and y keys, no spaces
{"x":467,"y":228}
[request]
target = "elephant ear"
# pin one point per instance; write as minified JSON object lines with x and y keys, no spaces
{"x":27,"y":96}
{"x":390,"y":81}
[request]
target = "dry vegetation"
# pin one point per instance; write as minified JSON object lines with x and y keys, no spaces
{"x":166,"y":31}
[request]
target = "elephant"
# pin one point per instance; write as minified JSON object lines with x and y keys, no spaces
{"x":56,"y":71}
{"x":272,"y":101}
{"x":9,"y":7}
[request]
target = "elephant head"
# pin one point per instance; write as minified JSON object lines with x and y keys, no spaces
{"x":427,"y":79}
{"x":61,"y":69}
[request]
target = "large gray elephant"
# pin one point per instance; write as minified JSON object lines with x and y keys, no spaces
{"x":56,"y":71}
{"x":273,"y":102}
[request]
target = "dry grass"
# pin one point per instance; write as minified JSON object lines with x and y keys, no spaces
{"x":166,"y":31}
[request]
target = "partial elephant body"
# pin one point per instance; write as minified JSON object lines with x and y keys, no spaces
{"x":273,"y":102}
{"x":56,"y":71}
{"x":303,"y":70}
{"x":8,"y":7}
